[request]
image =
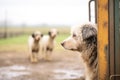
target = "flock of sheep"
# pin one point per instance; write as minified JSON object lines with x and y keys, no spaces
{"x":41,"y":43}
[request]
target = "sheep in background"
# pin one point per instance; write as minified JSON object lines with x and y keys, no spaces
{"x":34,"y":45}
{"x":47,"y":43}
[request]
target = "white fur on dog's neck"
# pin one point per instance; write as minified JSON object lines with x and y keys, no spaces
{"x":90,"y":70}
{"x":88,"y":73}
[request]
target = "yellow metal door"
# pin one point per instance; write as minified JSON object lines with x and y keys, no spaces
{"x":102,"y":22}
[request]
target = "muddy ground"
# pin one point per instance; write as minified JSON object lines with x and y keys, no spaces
{"x":64,"y":65}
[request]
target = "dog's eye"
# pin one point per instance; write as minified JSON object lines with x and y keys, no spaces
{"x":74,"y":35}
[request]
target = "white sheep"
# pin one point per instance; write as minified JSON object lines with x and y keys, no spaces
{"x":34,"y":45}
{"x":47,"y":43}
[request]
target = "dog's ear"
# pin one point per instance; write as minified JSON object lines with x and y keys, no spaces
{"x":88,"y":32}
{"x":33,"y":35}
{"x":49,"y":33}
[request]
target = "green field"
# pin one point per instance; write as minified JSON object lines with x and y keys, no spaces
{"x":20,"y":43}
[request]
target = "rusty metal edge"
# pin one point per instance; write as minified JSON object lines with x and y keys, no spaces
{"x":111,"y":39}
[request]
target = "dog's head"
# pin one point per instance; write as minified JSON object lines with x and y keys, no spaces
{"x":37,"y":35}
{"x":53,"y":33}
{"x":81,"y":37}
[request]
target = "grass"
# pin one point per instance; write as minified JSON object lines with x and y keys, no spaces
{"x":14,"y":44}
{"x":20,"y":43}
{"x":14,"y":40}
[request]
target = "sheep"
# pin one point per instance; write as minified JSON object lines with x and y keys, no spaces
{"x":47,"y":44}
{"x":34,"y":45}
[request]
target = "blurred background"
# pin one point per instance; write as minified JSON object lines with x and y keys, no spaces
{"x":20,"y":18}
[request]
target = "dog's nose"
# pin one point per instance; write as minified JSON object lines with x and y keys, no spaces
{"x":62,"y":43}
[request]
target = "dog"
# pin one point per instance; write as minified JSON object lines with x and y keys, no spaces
{"x":47,"y":43}
{"x":34,"y":45}
{"x":84,"y":40}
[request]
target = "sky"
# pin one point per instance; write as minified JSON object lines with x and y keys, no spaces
{"x":51,"y":12}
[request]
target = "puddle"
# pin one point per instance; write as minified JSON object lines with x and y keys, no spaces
{"x":13,"y":71}
{"x":67,"y":74}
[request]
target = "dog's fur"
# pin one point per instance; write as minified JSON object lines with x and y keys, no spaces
{"x":84,"y":39}
{"x":47,"y":43}
{"x":34,"y":45}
